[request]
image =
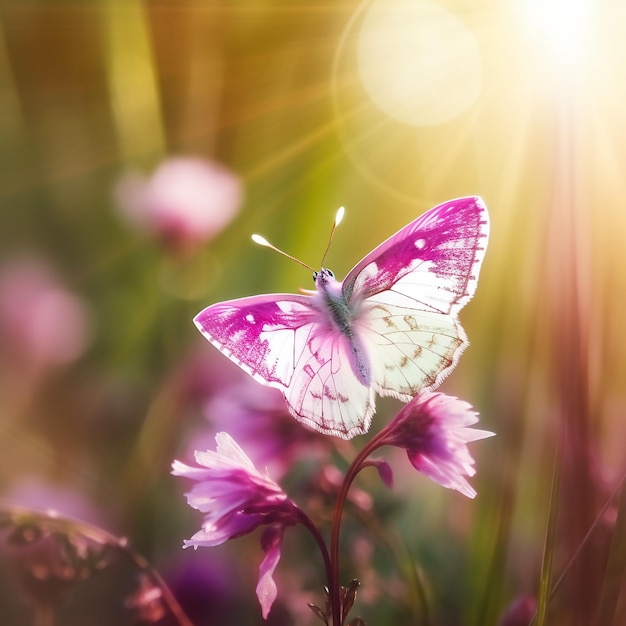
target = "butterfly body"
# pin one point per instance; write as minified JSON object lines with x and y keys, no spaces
{"x":336,"y":311}
{"x":390,"y":327}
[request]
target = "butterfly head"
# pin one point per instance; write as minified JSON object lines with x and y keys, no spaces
{"x":323,"y":277}
{"x":326,"y":282}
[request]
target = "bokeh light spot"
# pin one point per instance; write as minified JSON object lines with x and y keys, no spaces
{"x":418,"y":62}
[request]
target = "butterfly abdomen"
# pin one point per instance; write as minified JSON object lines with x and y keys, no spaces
{"x":339,"y":316}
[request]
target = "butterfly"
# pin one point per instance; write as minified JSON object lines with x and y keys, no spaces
{"x":390,"y":328}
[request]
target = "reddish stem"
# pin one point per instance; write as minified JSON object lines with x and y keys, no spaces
{"x":355,"y":467}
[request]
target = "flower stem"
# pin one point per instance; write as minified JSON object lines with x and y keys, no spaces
{"x":306,"y":521}
{"x":355,"y":467}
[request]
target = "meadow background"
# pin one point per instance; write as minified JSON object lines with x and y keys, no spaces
{"x":518,"y":102}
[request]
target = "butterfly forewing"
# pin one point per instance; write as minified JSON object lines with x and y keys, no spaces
{"x":279,"y":340}
{"x":410,"y":289}
{"x":430,"y":264}
{"x":264,"y":335}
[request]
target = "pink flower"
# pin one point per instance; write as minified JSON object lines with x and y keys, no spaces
{"x":41,"y":322}
{"x":186,"y":202}
{"x":236,"y":499}
{"x":433,"y":429}
{"x":262,"y":423}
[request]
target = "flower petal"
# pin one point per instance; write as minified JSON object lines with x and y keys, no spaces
{"x":384,"y":470}
{"x":228,"y":448}
{"x":446,"y":474}
{"x":266,"y":590}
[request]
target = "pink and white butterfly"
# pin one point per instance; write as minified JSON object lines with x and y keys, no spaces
{"x":390,"y":327}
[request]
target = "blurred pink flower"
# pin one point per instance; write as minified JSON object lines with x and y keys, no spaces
{"x":186,"y":201}
{"x":258,"y":418}
{"x":236,"y":499}
{"x":203,"y":373}
{"x":520,"y":612}
{"x":204,"y":588}
{"x":41,"y":322}
{"x":432,"y":428}
{"x":64,"y":500}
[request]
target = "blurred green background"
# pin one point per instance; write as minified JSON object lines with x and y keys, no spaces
{"x":531,"y":117}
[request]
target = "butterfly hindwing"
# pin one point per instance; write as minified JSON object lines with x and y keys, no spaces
{"x":325,"y":392}
{"x":411,"y":350}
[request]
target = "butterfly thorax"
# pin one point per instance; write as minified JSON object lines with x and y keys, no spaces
{"x":329,"y":298}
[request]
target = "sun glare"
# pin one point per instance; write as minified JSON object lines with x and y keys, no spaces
{"x":562,"y":27}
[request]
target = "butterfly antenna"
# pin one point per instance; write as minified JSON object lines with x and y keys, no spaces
{"x":261,"y":241}
{"x":338,"y":218}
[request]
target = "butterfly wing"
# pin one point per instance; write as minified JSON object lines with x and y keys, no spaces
{"x":282,"y":341}
{"x":410,"y":290}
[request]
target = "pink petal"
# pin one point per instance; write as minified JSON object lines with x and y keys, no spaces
{"x":227,"y":447}
{"x":444,"y":473}
{"x":266,"y":590}
{"x":384,"y":470}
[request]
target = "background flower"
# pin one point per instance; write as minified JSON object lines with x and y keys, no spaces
{"x":186,"y":201}
{"x":42,"y":323}
{"x":258,"y":418}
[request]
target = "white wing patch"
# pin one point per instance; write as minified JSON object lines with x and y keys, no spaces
{"x":419,"y":288}
{"x":409,"y":349}
{"x":284,"y":348}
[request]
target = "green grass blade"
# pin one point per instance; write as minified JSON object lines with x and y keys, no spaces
{"x":548,"y":549}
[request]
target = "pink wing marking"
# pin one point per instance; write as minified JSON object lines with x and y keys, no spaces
{"x":265,"y":335}
{"x":431,"y":264}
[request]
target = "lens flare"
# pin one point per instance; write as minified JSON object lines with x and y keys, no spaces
{"x":418,"y":62}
